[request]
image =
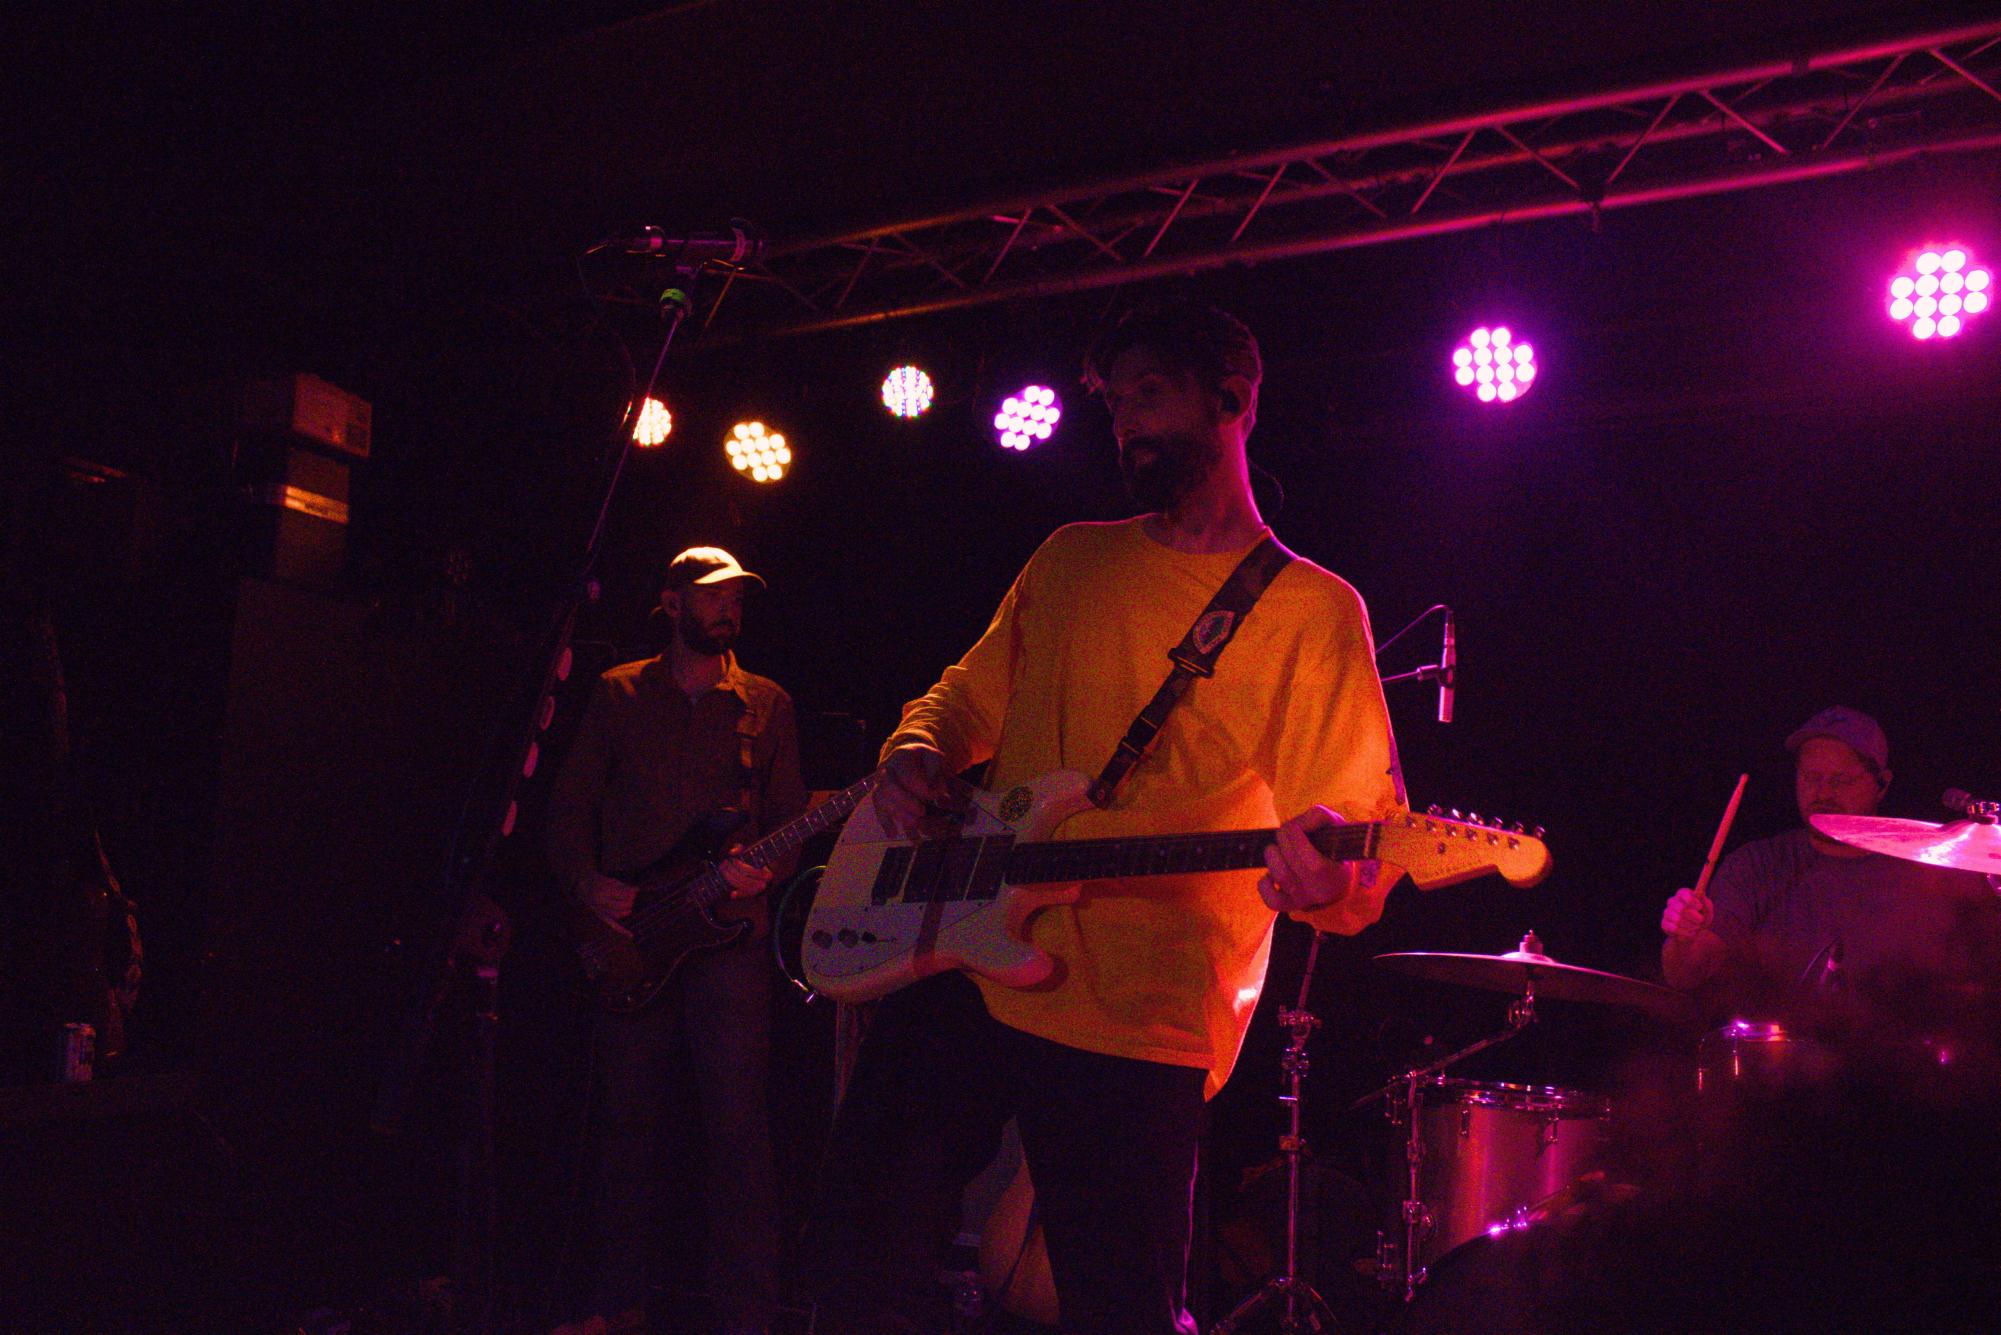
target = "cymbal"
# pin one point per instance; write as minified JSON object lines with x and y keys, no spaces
{"x":1514,"y":971}
{"x":1967,"y":845}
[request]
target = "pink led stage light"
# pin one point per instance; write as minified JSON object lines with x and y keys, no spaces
{"x":1027,"y":417}
{"x":1494,"y":364}
{"x":1941,"y":290}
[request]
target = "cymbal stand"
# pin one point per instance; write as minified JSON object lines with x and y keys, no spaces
{"x":1408,"y":1089}
{"x":1304,"y":1309}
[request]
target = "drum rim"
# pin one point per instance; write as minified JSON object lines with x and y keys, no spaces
{"x":1752,"y":1031}
{"x":1522,"y":1098}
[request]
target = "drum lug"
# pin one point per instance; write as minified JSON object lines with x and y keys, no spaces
{"x":1547,"y":1137}
{"x":1416,"y":1216}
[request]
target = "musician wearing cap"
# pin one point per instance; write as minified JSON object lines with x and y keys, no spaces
{"x":1804,"y":909}
{"x":670,"y":745}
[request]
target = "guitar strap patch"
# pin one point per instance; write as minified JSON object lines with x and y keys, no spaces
{"x":1194,"y":657}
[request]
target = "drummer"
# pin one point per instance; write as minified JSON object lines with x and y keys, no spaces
{"x":1802,"y":909}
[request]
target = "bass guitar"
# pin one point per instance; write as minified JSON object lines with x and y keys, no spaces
{"x":627,"y":962}
{"x":891,"y":911}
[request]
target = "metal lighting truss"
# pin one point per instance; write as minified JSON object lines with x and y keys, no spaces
{"x":1818,"y":114}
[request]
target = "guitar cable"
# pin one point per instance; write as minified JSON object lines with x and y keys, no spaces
{"x":779,"y":903}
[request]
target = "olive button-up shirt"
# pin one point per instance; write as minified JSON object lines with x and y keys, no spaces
{"x":649,"y":762}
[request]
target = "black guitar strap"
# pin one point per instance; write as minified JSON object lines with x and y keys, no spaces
{"x":1194,"y":657}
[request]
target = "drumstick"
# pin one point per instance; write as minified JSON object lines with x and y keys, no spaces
{"x":1722,"y":833}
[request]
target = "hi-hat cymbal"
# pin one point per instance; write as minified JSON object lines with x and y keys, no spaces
{"x":1967,"y":845}
{"x":1514,"y":971}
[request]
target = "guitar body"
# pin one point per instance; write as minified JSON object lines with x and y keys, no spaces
{"x":674,"y":914}
{"x":891,"y":911}
{"x":861,"y":944}
{"x":625,"y":971}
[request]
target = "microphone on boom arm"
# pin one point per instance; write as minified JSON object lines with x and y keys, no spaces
{"x":1448,"y":670}
{"x":690,"y":251}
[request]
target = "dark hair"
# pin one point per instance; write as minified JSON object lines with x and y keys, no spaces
{"x":1209,"y":343}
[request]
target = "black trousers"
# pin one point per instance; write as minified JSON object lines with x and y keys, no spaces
{"x":711,"y":1026}
{"x":1110,"y":1144}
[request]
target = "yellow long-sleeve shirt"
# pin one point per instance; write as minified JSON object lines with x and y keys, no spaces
{"x":1167,"y":968}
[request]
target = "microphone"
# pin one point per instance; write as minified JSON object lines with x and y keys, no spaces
{"x":1966,"y":804}
{"x":1448,"y":670}
{"x":739,"y":245}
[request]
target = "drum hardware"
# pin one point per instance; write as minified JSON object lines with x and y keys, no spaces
{"x":1527,"y":969}
{"x":1966,"y":804}
{"x":1493,"y":1151}
{"x":1434,"y":1219}
{"x":1405,"y":1110}
{"x":1302,"y":1307}
{"x":1973,"y":844}
{"x":1759,"y":1058}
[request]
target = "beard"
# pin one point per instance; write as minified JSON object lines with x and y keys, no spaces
{"x":1172,"y":466}
{"x":708,"y":641}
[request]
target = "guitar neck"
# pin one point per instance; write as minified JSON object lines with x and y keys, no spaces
{"x":787,"y":838}
{"x":1154,"y":855}
{"x":1432,"y":848}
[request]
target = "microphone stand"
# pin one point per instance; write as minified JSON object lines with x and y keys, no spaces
{"x":1444,"y":671}
{"x":472,"y":949}
{"x":1429,"y":672}
{"x":1303,"y":1309}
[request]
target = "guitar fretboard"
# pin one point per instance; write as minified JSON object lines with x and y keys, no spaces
{"x":708,"y":888}
{"x":788,"y":837}
{"x":976,"y":868}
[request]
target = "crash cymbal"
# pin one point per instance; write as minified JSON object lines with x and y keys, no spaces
{"x":1967,"y":845}
{"x":1514,"y":971}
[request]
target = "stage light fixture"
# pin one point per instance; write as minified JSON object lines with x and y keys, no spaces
{"x":654,"y":425}
{"x":760,"y":453}
{"x":1942,"y":292}
{"x":907,"y":392}
{"x":1494,"y":364}
{"x":1027,"y":417}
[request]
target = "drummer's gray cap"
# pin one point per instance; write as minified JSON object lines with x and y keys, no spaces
{"x":1862,"y":733}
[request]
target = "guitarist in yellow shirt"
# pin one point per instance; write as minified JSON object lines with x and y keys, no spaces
{"x":1107,"y":1062}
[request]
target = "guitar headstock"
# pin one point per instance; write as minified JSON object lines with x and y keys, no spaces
{"x":1444,"y":848}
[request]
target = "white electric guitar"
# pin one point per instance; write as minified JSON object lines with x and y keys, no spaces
{"x":891,"y":911}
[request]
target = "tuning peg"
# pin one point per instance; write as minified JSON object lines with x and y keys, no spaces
{"x":1473,"y":818}
{"x":1433,"y":810}
{"x":1457,"y":814}
{"x":1517,"y":828}
{"x":1536,"y":830}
